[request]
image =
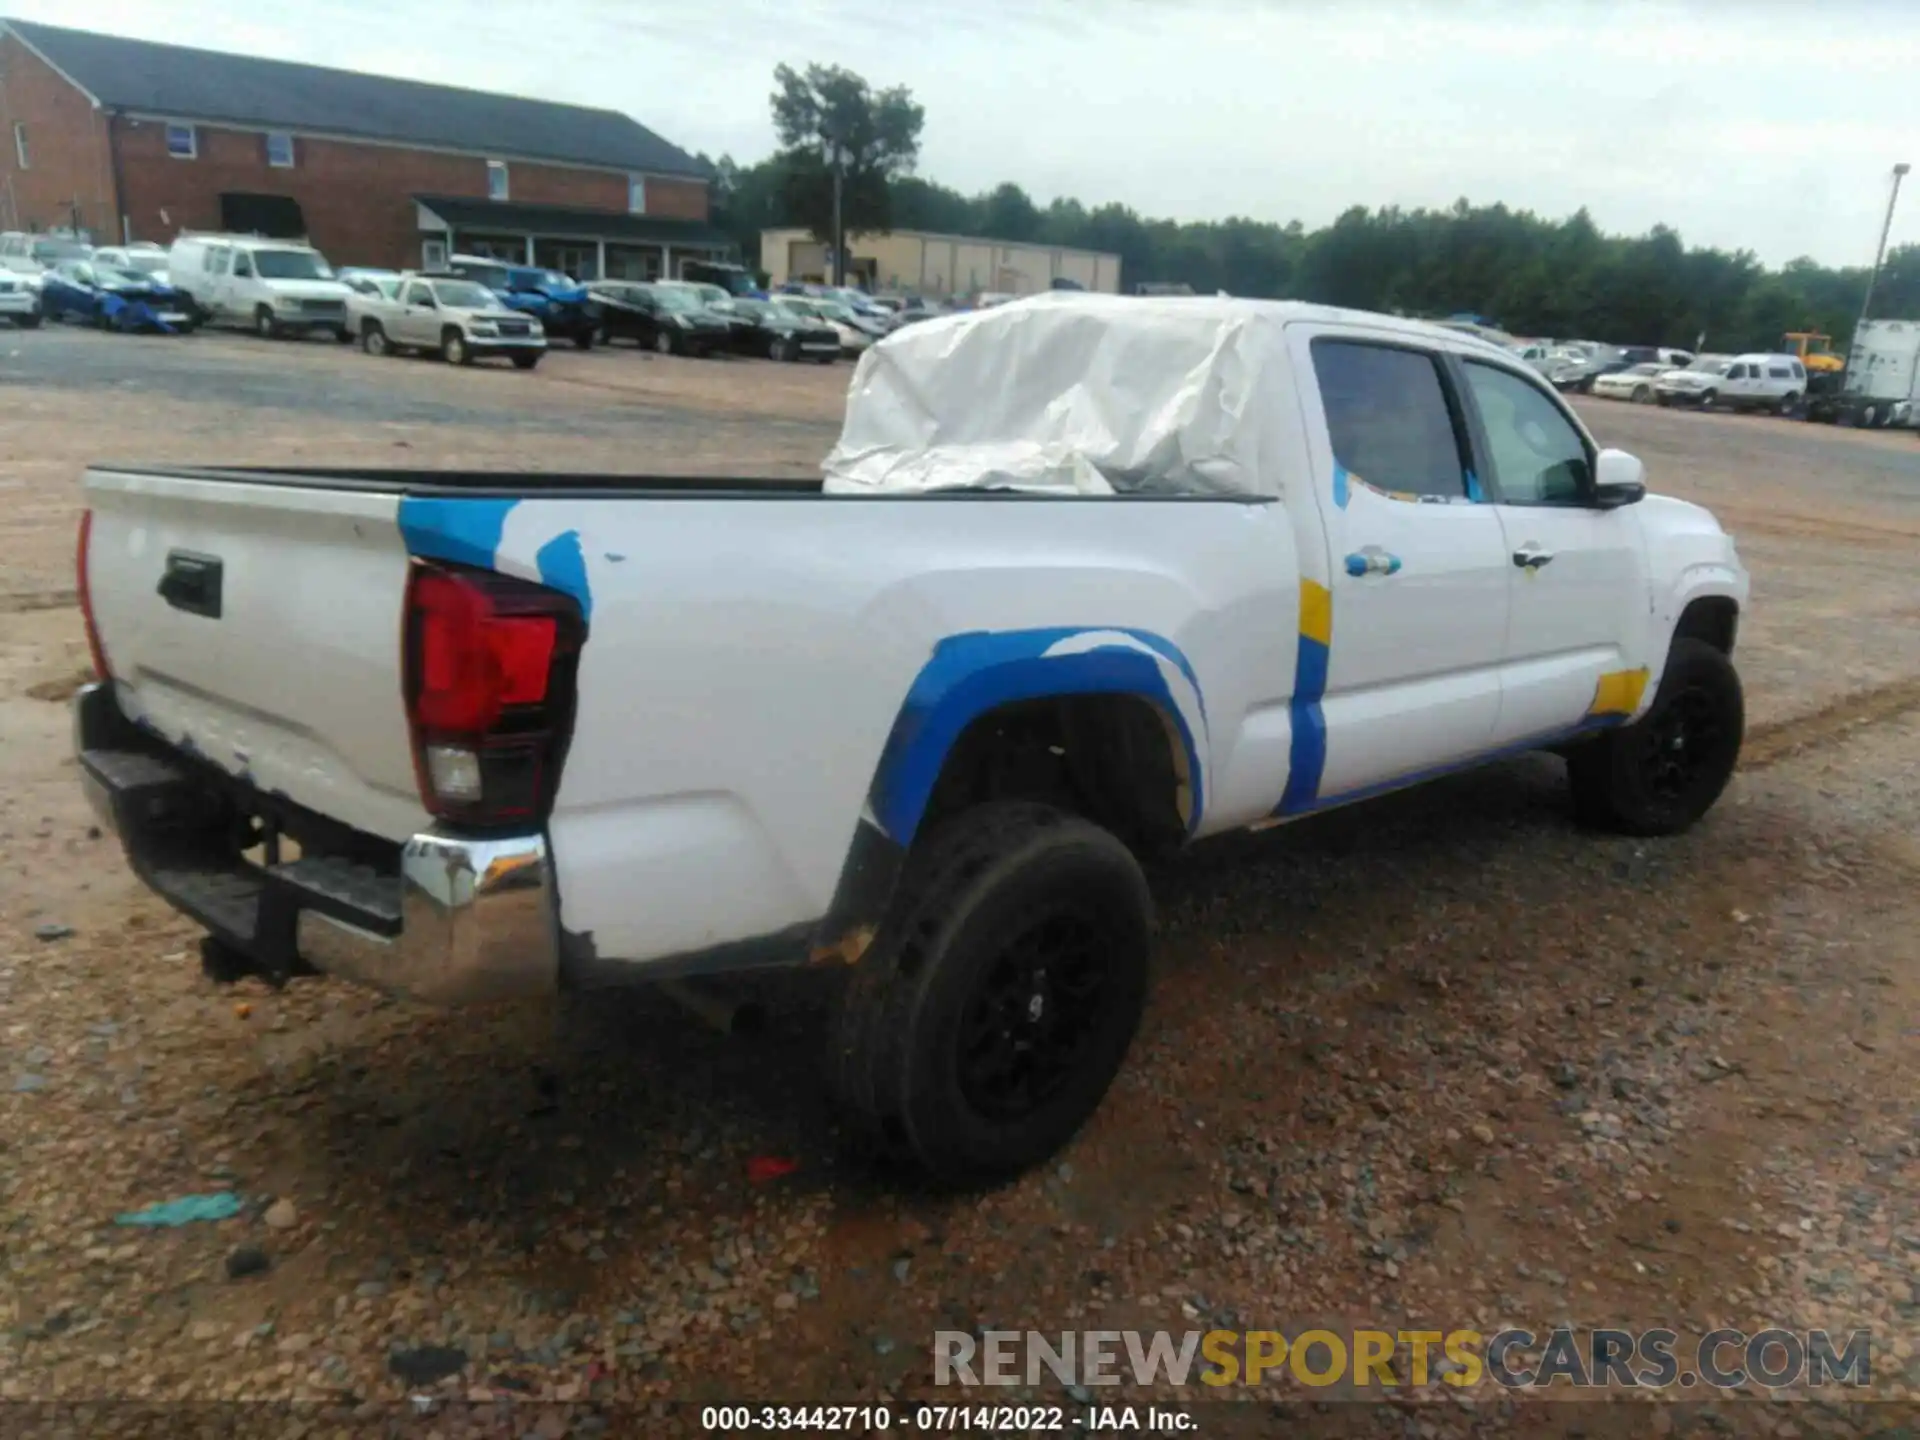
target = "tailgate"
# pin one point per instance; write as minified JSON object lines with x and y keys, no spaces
{"x":258,"y":625}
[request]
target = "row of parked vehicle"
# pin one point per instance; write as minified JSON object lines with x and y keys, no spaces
{"x":475,"y":308}
{"x":1659,"y":375}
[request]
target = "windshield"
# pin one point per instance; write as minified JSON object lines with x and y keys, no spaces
{"x":541,"y":280}
{"x":290,"y":265}
{"x":462,"y":295}
{"x":1711,"y":367}
{"x":494,"y":277}
{"x":52,"y":252}
{"x":1649,"y":369}
{"x":679,"y":301}
{"x":144,"y":261}
{"x":712,"y":294}
{"x":112,"y":276}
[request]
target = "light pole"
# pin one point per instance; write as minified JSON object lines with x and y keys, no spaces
{"x":1873,"y":275}
{"x":837,"y":159}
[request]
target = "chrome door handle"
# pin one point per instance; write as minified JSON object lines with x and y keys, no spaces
{"x":1531,"y":557}
{"x":1372,"y":560}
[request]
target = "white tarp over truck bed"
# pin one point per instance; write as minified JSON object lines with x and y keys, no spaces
{"x":1070,"y":392}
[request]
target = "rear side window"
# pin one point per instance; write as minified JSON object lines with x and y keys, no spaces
{"x":1388,"y":418}
{"x":1780,"y":372}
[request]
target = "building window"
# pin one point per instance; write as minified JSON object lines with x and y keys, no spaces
{"x":636,"y":194}
{"x":433,"y":254}
{"x":20,"y":142}
{"x":496,"y":179}
{"x":182,"y":143}
{"x":280,"y":149}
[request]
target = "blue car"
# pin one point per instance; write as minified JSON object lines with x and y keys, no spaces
{"x":113,"y":299}
{"x":564,"y":309}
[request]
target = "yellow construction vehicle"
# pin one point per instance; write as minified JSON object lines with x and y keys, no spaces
{"x":1815,"y":351}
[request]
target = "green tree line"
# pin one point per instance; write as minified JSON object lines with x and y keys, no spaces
{"x":1528,"y":274}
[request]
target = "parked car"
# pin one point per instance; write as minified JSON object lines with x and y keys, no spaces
{"x":854,"y":338}
{"x":563,"y":306}
{"x":1634,"y":383}
{"x":457,"y":319}
{"x":1697,"y":383}
{"x":142,"y":259}
{"x":19,"y":299}
{"x":367,"y":286}
{"x":669,"y":318}
{"x":33,"y":255}
{"x":734,"y":281}
{"x":780,"y":332}
{"x":531,"y":737}
{"x":1776,"y":383}
{"x":1580,"y":367}
{"x":275,"y":288}
{"x":112,"y":299}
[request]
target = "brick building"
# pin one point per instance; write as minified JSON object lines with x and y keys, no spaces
{"x":131,"y":140}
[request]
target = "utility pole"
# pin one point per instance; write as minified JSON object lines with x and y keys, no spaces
{"x":839,"y":226}
{"x":1873,"y":275}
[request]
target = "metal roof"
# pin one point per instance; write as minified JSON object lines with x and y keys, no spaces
{"x":509,"y":217}
{"x":221,"y":88}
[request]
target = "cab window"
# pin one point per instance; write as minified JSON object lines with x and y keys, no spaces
{"x":1388,"y":418}
{"x":1535,"y":454}
{"x":419,"y":294}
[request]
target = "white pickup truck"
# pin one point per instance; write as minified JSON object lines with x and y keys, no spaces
{"x":1086,"y":577}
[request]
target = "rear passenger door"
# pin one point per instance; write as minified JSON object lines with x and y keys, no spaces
{"x":1409,"y":626}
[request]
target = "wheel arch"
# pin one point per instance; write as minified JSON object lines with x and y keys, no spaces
{"x":1107,"y":724}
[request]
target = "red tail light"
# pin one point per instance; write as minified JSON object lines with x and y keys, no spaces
{"x":490,"y":664}
{"x":85,"y":588}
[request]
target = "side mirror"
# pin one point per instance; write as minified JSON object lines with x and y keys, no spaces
{"x":1618,"y":479}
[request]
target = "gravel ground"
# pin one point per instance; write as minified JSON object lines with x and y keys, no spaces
{"x":1439,"y":1059}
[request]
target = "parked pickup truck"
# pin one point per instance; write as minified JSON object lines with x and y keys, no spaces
{"x":1086,"y":578}
{"x":447,"y":316}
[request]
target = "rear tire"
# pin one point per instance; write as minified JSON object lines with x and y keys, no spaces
{"x":525,"y":362}
{"x":27,"y":322}
{"x":990,"y":1016}
{"x":1660,"y":774}
{"x":1789,"y":402}
{"x":583,"y":339}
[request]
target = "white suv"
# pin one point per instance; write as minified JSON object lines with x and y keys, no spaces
{"x":1738,"y":382}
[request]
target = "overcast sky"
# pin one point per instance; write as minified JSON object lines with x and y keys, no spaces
{"x":1771,"y":125}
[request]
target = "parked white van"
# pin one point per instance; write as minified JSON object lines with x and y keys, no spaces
{"x":272,"y":287}
{"x":1764,"y":382}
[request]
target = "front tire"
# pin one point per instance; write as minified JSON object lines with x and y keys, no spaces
{"x":583,"y":339}
{"x":786,"y":351}
{"x":27,"y":322}
{"x":664,"y":343}
{"x":1660,"y":774}
{"x":454,"y":348}
{"x":373,"y":339}
{"x":264,"y":325}
{"x":525,"y":362}
{"x":1789,"y":402}
{"x":990,"y":1016}
{"x":1709,"y":399}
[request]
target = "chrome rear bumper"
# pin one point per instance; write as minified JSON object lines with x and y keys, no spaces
{"x":452,"y":920}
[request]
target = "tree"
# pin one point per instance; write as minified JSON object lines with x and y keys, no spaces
{"x":876,"y":134}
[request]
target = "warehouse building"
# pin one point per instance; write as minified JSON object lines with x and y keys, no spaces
{"x":130,"y":140}
{"x":923,"y":263}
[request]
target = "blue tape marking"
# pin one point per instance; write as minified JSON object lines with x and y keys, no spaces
{"x":1342,"y":491}
{"x":466,"y":532}
{"x":1473,"y":488}
{"x":563,"y":566}
{"x":1356,"y":565}
{"x":973,"y":673}
{"x":1472,"y":762}
{"x":1307,"y":757}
